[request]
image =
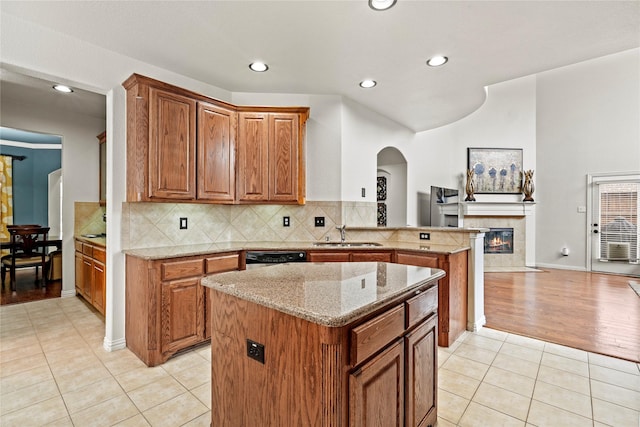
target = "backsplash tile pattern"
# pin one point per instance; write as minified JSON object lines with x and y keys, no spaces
{"x":88,"y":218}
{"x":146,"y":225}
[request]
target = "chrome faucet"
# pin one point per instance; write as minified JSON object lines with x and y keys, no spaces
{"x":342,"y":232}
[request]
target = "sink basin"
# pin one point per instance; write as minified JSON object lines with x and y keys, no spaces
{"x":91,"y":236}
{"x":346,"y":244}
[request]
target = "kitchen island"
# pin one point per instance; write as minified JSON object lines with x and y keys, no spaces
{"x":324,"y":344}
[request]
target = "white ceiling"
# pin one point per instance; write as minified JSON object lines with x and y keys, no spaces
{"x":328,"y":47}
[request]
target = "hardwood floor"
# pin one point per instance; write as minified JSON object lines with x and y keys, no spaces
{"x":27,"y":290}
{"x":595,"y":312}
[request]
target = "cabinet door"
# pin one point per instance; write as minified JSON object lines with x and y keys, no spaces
{"x":343,"y":256}
{"x":172,"y":146}
{"x":98,"y":295}
{"x":253,"y":157}
{"x":79,"y":274}
{"x":87,"y":276}
{"x":371,"y":257}
{"x":376,"y":391}
{"x":283,"y":157}
{"x":182,"y":316}
{"x":421,"y":374}
{"x":216,"y":153}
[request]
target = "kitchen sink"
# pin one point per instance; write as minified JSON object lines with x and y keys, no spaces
{"x":94,"y":235}
{"x":346,"y":244}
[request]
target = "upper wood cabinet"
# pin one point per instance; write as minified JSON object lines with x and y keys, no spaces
{"x":172,"y":145}
{"x":182,"y":146}
{"x":269,"y":159}
{"x":102,"y":140}
{"x":217,"y":148}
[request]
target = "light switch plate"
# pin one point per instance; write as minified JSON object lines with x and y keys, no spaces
{"x":183,"y":223}
{"x":286,"y":221}
{"x":319,"y":221}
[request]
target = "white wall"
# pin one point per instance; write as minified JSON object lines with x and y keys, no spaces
{"x":588,"y":121}
{"x":79,"y":163}
{"x":364,"y":134}
{"x":506,"y":120}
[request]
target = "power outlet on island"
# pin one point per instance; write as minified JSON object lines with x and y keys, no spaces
{"x":255,"y":351}
{"x":425,"y":236}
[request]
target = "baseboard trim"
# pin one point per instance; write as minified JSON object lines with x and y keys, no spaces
{"x":477,"y":325}
{"x":68,"y":293}
{"x":562,"y":267}
{"x":114,"y":345}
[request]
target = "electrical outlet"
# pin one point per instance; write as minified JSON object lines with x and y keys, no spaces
{"x":319,"y":221}
{"x":425,"y":236}
{"x":286,"y":221}
{"x":255,"y":351}
{"x":183,"y":223}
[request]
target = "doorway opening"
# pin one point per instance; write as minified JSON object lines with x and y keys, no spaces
{"x":391,"y":188}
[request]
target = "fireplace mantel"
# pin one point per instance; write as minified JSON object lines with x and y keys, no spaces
{"x":497,"y":208}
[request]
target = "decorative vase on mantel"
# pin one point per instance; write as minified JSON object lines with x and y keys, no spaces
{"x":470,"y":187}
{"x":528,"y":188}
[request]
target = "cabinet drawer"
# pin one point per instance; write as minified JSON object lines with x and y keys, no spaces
{"x":182,"y":269}
{"x":329,"y":256}
{"x":222,"y":263}
{"x":375,"y":334}
{"x":78,"y":246}
{"x":420,"y":306}
{"x":87,"y":250}
{"x":99,"y":254}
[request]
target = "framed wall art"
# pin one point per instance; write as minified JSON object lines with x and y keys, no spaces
{"x":496,"y":170}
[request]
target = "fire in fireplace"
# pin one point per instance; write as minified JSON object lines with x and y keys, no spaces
{"x":498,"y":241}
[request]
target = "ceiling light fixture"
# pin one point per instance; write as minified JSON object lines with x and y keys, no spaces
{"x":258,"y":67}
{"x":368,"y":84}
{"x":381,"y":4}
{"x":63,"y":88}
{"x":437,"y":61}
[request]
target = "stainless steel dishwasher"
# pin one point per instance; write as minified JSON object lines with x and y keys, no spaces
{"x":255,"y":259}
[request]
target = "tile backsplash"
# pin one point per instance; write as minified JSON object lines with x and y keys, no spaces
{"x":147,"y":225}
{"x":88,"y":218}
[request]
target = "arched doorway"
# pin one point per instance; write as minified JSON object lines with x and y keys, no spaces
{"x":392,"y":188}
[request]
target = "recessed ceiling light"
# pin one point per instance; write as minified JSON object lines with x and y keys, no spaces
{"x":258,"y":67}
{"x":381,"y":4}
{"x":437,"y":61}
{"x":63,"y":88}
{"x":368,"y":83}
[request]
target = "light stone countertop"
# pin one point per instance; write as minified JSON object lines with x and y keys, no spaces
{"x":329,"y":294}
{"x":213,"y":248}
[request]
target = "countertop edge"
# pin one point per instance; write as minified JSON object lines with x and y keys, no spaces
{"x":213,"y":248}
{"x":329,"y":321}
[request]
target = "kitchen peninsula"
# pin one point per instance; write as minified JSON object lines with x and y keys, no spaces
{"x":324,"y":344}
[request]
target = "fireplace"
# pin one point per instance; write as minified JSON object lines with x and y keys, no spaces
{"x":498,"y":241}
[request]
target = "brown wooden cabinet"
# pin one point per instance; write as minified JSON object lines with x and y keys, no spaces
{"x":217,"y":153}
{"x":347,"y":256}
{"x":90,"y":274}
{"x":102,"y":140}
{"x":380,"y":369}
{"x":452,"y":298}
{"x":185,"y":147}
{"x":165,"y":304}
{"x":269,"y":159}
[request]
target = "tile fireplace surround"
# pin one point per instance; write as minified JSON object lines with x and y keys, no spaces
{"x":516,"y":215}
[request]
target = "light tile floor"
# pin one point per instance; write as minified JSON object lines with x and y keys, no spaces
{"x":54,"y":371}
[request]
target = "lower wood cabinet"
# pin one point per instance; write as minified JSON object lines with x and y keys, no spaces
{"x":346,"y":256}
{"x":380,"y":370}
{"x":452,"y":297}
{"x":90,"y":274}
{"x":166,"y":307}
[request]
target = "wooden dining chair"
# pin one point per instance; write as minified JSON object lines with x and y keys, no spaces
{"x":27,"y":248}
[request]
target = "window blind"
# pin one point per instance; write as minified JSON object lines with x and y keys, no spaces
{"x":619,"y":232}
